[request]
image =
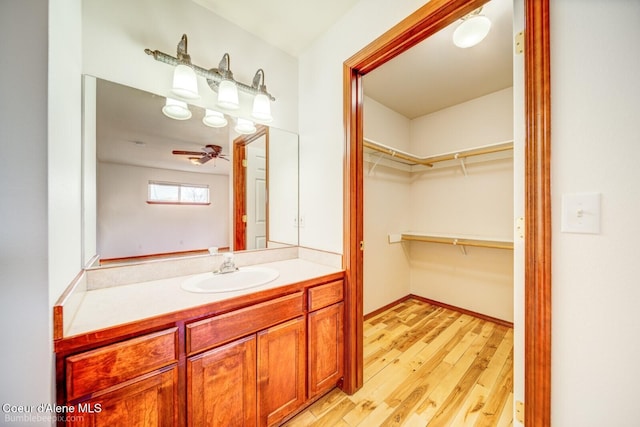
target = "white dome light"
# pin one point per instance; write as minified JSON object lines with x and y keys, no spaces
{"x":471,"y":31}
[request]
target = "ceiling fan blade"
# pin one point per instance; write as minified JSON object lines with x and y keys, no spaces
{"x":204,"y":159}
{"x":188,"y":153}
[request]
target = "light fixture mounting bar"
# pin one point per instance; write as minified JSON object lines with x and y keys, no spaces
{"x":214,"y":75}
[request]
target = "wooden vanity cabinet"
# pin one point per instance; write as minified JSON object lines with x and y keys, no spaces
{"x":281,"y":371}
{"x":257,"y":379}
{"x":222,"y":385}
{"x":134,"y":382}
{"x":254,"y":363}
{"x":325,"y":337}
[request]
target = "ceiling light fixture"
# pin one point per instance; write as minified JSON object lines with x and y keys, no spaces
{"x":472,"y":30}
{"x":221,"y":80}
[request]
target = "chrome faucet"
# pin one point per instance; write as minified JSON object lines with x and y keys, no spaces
{"x":228,"y":265}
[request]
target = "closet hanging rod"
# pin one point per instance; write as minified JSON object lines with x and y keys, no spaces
{"x":430,"y":160}
{"x":495,"y":244}
{"x":393,"y":153}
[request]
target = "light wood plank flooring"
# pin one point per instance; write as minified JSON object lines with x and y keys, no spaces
{"x":425,"y":366}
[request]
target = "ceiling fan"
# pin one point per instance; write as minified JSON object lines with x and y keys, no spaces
{"x":201,"y":157}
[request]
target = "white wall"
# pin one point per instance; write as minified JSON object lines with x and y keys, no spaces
{"x":444,"y":201}
{"x":128,"y":226}
{"x":386,"y":207}
{"x":322,"y":137}
{"x":595,"y":147}
{"x":39,"y":244}
{"x":115,"y":34}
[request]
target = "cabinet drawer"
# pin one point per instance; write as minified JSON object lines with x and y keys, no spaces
{"x":217,"y":330}
{"x":325,"y":295}
{"x":104,"y":367}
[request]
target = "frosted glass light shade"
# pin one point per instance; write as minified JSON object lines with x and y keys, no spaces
{"x":176,"y":109}
{"x":471,"y":31}
{"x":245,"y":127}
{"x":185,"y":83}
{"x":214,"y":119}
{"x":228,"y":95}
{"x":262,"y":108}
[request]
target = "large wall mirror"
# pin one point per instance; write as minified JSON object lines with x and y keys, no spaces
{"x":160,"y":187}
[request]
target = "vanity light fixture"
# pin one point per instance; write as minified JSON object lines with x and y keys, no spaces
{"x":245,"y":127}
{"x":176,"y":109}
{"x":214,"y":119}
{"x":221,"y":80}
{"x":185,"y":83}
{"x":472,"y":30}
{"x":261,"y":103}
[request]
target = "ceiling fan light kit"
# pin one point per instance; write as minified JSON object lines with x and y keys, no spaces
{"x":472,"y":30}
{"x":201,"y":157}
{"x":185,"y":85}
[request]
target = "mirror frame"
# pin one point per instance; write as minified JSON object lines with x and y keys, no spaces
{"x":427,"y":20}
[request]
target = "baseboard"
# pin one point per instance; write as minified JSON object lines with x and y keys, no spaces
{"x":440,"y":304}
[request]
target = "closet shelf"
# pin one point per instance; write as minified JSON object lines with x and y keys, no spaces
{"x":482,"y":242}
{"x":430,"y":160}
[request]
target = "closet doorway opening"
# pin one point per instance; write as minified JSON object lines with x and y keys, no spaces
{"x":425,"y":22}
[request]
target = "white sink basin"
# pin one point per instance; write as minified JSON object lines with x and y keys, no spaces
{"x":244,"y":278}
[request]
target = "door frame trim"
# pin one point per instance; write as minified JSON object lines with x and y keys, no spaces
{"x":427,"y":20}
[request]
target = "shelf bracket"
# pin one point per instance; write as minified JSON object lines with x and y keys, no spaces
{"x":372,"y":168}
{"x":462,"y":248}
{"x":462,"y":165}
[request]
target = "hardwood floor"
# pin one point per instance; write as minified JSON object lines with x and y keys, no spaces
{"x":425,"y":365}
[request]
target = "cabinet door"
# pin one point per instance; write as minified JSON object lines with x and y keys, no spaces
{"x":150,"y":400}
{"x":281,"y":371}
{"x":326,"y":348}
{"x":221,"y":386}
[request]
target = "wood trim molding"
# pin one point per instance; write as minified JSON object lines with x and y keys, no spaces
{"x":537,"y":369}
{"x":240,"y":184}
{"x":425,"y":21}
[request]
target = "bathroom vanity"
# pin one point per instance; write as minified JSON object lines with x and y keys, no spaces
{"x":245,"y":358}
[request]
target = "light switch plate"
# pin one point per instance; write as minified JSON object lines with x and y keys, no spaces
{"x":581,"y":213}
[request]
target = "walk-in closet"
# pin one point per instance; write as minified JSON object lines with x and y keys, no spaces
{"x":438,"y":174}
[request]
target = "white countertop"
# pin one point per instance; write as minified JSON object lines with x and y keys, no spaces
{"x":102,"y":308}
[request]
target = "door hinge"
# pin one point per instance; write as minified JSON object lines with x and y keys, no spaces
{"x":520,"y":411}
{"x":244,"y":163}
{"x":519,"y":42}
{"x":362,"y":245}
{"x":244,"y":218}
